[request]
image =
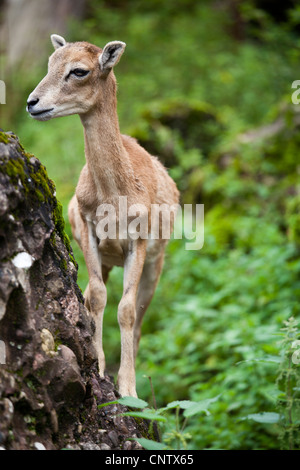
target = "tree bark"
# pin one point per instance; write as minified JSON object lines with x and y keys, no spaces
{"x":49,"y":385}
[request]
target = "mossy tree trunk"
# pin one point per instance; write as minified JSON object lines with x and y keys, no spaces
{"x":49,"y":386}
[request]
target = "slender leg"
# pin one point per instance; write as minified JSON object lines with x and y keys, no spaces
{"x":146,"y":289}
{"x":126,"y":316}
{"x":96,"y":295}
{"x":105,"y":273}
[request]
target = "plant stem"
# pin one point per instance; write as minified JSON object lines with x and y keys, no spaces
{"x":156,"y":427}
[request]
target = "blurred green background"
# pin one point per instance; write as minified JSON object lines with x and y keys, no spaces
{"x":206,"y":85}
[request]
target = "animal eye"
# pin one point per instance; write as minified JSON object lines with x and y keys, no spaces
{"x":80,"y":72}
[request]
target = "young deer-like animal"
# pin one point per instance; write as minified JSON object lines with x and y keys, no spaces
{"x":80,"y":80}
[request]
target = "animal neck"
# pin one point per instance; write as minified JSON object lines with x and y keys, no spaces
{"x":107,"y":159}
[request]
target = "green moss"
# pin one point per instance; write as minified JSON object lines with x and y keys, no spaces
{"x":59,"y":223}
{"x":45,"y":185}
{"x":37,"y":186}
{"x":63,"y":265}
{"x":4,"y":138}
{"x":58,"y":219}
{"x":15,"y":169}
{"x":145,"y":428}
{"x":40,"y":195}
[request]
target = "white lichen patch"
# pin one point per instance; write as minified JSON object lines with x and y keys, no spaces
{"x":48,"y":345}
{"x":39,"y":446}
{"x":23,"y":260}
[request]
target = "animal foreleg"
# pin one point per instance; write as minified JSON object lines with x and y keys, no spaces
{"x":127,"y":314}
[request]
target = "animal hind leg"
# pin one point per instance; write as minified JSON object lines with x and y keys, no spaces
{"x":105,"y":274}
{"x":96,"y":295}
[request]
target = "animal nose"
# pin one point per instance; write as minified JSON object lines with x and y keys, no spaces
{"x":32,"y":102}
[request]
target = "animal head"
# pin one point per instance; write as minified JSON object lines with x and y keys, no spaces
{"x":77,"y":79}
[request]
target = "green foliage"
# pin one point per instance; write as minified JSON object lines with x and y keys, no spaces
{"x":265,"y":418}
{"x":191,"y":92}
{"x":172,"y":430}
{"x":288,"y":382}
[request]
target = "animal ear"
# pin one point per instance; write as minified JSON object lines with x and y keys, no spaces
{"x":58,"y":41}
{"x":111,"y":55}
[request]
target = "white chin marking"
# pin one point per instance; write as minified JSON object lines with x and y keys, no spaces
{"x":42,"y":117}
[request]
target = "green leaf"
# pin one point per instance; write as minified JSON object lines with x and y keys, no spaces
{"x":200,"y":406}
{"x":183,"y":404}
{"x":107,"y":403}
{"x":265,"y":417}
{"x":147,"y":414}
{"x":133,"y":402}
{"x":270,"y":358}
{"x":150,"y":445}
